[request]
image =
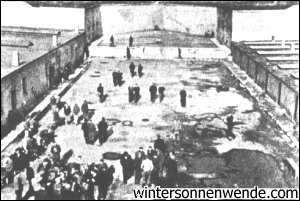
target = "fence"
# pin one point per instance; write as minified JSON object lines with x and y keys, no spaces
{"x":281,"y":92}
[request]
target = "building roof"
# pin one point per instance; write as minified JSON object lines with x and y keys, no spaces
{"x":283,"y":66}
{"x":31,"y":43}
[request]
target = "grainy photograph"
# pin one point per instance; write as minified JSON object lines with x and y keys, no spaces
{"x":129,"y":100}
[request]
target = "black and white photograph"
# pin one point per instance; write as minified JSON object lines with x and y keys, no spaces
{"x":131,"y":100}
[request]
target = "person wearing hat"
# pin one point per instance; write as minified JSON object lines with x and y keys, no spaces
{"x":102,"y":164}
{"x":127,"y":166}
{"x":159,"y":144}
{"x":153,"y":91}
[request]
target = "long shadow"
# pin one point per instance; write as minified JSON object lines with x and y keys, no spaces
{"x":137,"y":100}
{"x":105,"y":138}
{"x":103,"y":98}
{"x":121,"y":82}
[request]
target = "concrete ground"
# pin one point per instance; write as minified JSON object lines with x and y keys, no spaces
{"x":252,"y":158}
{"x":205,"y":156}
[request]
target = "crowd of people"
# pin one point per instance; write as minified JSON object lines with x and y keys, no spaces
{"x":156,"y":167}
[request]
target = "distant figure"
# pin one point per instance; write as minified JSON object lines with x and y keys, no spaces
{"x":229,"y":133}
{"x":140,"y":70}
{"x":112,"y":41}
{"x":102,"y":129}
{"x":84,"y":129}
{"x":136,"y":90}
{"x":127,"y":166}
{"x":132,"y":68}
{"x":85,"y":109}
{"x":119,"y":78}
{"x":159,"y":144}
{"x":161,"y":91}
{"x":76,"y":111}
{"x":130,"y":94}
{"x":212,"y":35}
{"x":179,"y":53}
{"x":128,"y":53}
{"x":114,"y":75}
{"x":153,"y":91}
{"x":172,"y":171}
{"x":183,"y":98}
{"x":100,"y":91}
{"x":68,"y":114}
{"x":139,"y":157}
{"x":130,"y":41}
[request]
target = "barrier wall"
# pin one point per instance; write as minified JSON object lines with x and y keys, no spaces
{"x":36,"y":73}
{"x":275,"y":87}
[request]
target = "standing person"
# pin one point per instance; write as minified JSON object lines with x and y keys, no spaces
{"x":155,"y":171}
{"x":30,"y":176}
{"x":127,"y":166}
{"x":130,"y":41}
{"x":132,"y":68}
{"x":141,"y":152}
{"x":119,"y":78}
{"x":183,"y":98}
{"x":68,"y":116}
{"x":161,"y":91}
{"x":76,"y":110}
{"x":101,"y":182}
{"x":147,"y":167}
{"x":137,"y":95}
{"x":19,"y":184}
{"x":55,"y":151}
{"x":100,"y":91}
{"x":159,"y":144}
{"x":85,"y":109}
{"x":150,"y":152}
{"x":179,"y":53}
{"x":229,"y":132}
{"x":128,"y":53}
{"x":140,"y":70}
{"x":153,"y":91}
{"x":114,"y":75}
{"x":102,"y":129}
{"x":139,"y":157}
{"x":9,"y":170}
{"x":112,"y":41}
{"x":84,"y":128}
{"x":56,"y":118}
{"x":130,"y":94}
{"x":172,"y":171}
